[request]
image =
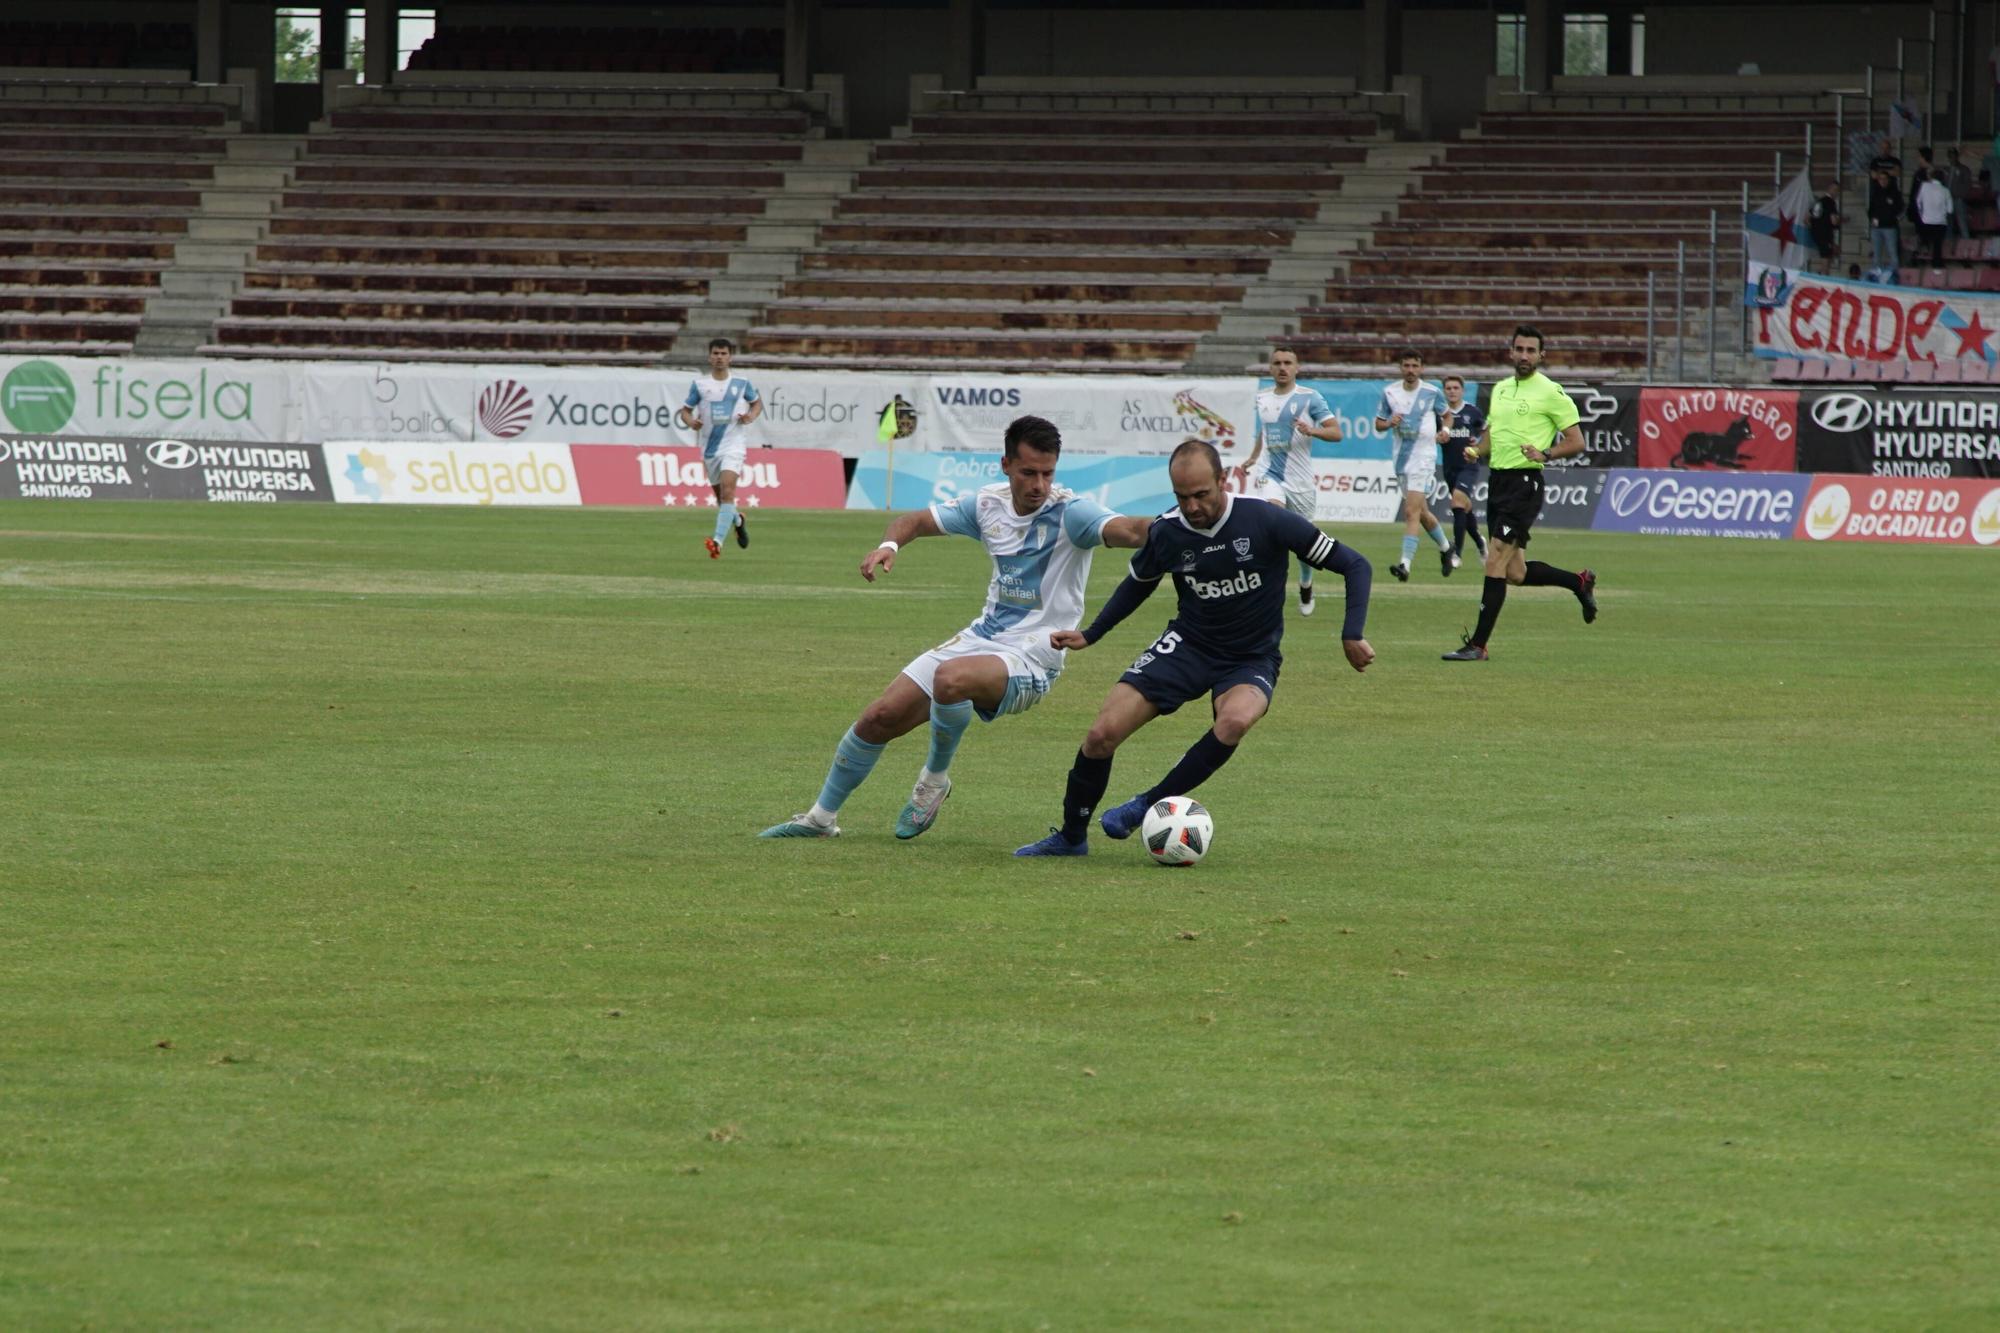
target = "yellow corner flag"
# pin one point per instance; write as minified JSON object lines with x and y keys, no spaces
{"x":886,"y":431}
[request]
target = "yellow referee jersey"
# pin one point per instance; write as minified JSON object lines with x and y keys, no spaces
{"x":1526,"y":411}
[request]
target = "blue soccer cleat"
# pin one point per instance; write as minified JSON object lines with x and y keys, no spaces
{"x":1055,"y":845}
{"x":921,"y":810}
{"x":1122,"y":821}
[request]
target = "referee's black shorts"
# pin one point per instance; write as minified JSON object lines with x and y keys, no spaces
{"x":1513,"y":502}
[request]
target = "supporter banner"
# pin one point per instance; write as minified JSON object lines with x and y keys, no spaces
{"x":1803,"y":314}
{"x":99,"y":398}
{"x":1097,"y":414}
{"x":77,"y":469}
{"x":392,"y":472}
{"x":625,"y":474}
{"x":1905,"y":433}
{"x":1701,"y":504}
{"x":1128,"y":485}
{"x":1951,"y":513}
{"x":1710,"y":429}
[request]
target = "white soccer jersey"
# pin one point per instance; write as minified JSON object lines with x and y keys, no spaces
{"x":716,"y":404}
{"x":1414,"y":443}
{"x":1041,"y":563}
{"x":1288,"y":455}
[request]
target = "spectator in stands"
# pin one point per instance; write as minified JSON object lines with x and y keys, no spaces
{"x":1854,"y":272}
{"x":1933,"y":205}
{"x":1957,"y":178}
{"x":1885,"y":216}
{"x":1824,"y":224}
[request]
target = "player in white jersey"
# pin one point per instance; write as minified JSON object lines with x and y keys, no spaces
{"x":1289,"y":418}
{"x":719,"y":405}
{"x":1040,"y":536}
{"x":1409,"y":411}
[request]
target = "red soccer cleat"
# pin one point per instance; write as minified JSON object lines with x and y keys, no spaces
{"x":714,"y":551}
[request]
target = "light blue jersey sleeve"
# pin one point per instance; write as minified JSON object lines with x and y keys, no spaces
{"x":1382,"y":409}
{"x":960,"y":517}
{"x":694,"y":394}
{"x":749,"y":391}
{"x":1316,"y":408}
{"x":1083,"y":522}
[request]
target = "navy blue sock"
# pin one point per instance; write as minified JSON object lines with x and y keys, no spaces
{"x":1197,"y":766}
{"x":1087,"y":780}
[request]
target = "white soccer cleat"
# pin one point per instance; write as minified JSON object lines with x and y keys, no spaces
{"x":922,"y":810}
{"x":801,"y":826}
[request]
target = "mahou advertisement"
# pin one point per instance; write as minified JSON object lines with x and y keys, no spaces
{"x":1719,"y":430}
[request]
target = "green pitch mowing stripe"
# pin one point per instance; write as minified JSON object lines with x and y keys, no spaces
{"x":387,"y":945}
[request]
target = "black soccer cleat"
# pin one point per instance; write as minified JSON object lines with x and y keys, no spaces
{"x":742,"y":532}
{"x":1468,"y":651}
{"x":1586,"y":593}
{"x":1401,"y":571}
{"x":1448,"y":562}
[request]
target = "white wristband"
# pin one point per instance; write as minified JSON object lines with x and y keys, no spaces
{"x":892,"y":546}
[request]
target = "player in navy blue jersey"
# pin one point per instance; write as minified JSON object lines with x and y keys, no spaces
{"x":1228,"y":556}
{"x":1460,"y":425}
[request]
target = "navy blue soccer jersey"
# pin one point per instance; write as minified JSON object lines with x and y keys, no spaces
{"x":1459,"y":430}
{"x":1230,"y":578}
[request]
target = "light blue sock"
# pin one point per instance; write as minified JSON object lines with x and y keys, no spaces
{"x":725,"y":519}
{"x":1409,"y":549}
{"x":853,"y":760}
{"x":1437,"y":535}
{"x":948,"y":724}
{"x":1305,"y":576}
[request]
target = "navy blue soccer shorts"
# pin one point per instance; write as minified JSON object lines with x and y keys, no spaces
{"x":1173,"y":671}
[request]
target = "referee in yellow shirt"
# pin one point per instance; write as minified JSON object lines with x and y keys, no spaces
{"x":1526,"y":413}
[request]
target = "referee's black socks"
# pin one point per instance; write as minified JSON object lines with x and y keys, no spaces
{"x":1540,"y":575}
{"x":1197,"y":766}
{"x":1087,"y":780}
{"x":1492,"y":596}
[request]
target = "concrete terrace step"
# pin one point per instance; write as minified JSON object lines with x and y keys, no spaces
{"x":332,"y":352}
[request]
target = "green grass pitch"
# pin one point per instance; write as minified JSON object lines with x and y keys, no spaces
{"x":386,"y":945}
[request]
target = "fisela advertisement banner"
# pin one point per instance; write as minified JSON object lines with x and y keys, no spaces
{"x":116,"y":398}
{"x":392,"y":472}
{"x":625,"y":474}
{"x":72,"y":468}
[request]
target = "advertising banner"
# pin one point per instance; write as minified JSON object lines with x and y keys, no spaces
{"x":1608,"y":416}
{"x":76,"y":469}
{"x":1356,"y":490}
{"x":1905,"y":433}
{"x":1100,"y":414}
{"x":1353,"y":404}
{"x":1569,"y":497}
{"x":1948,"y":513}
{"x":626,"y":474}
{"x":119,"y":398}
{"x":1712,"y":429}
{"x":1701,"y":504}
{"x":1803,"y":314}
{"x":1127,"y":485}
{"x":392,"y":472}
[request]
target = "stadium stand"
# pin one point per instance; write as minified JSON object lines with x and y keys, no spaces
{"x":1560,"y":212}
{"x":96,"y":45}
{"x":509,"y":231}
{"x":97,"y":193}
{"x":1051,"y":240}
{"x":593,"y":50}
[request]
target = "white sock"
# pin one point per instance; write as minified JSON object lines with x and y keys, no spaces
{"x":930,"y":779}
{"x":820,"y":815}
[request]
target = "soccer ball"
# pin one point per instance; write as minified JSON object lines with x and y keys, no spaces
{"x":1178,"y":831}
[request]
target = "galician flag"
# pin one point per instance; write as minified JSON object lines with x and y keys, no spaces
{"x":1776,"y":235}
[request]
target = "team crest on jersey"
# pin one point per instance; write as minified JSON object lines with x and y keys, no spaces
{"x":1242,"y":545}
{"x":1187,"y":562}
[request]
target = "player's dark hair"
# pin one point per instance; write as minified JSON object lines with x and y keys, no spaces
{"x":1035,"y":432}
{"x":723,"y":343}
{"x":1459,"y":380}
{"x":1410,"y":354}
{"x":1190,"y":447}
{"x":1530,"y":331}
{"x":1286,"y":348}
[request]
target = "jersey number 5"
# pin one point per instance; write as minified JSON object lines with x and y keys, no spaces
{"x":1168,"y":642}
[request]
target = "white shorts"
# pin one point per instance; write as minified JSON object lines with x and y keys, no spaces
{"x":1302,"y":499}
{"x":1420,"y":475}
{"x":1027,"y":679}
{"x":729,"y":458}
